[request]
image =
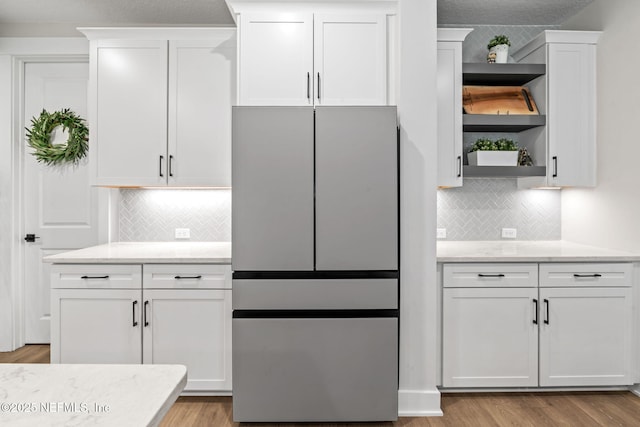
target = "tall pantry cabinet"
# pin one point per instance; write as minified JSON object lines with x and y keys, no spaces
{"x":160,"y":103}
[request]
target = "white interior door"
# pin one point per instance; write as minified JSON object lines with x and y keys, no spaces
{"x":60,"y":207}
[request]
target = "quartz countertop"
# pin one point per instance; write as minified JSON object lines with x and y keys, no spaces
{"x":528,"y":251}
{"x":82,"y":395}
{"x":148,"y":253}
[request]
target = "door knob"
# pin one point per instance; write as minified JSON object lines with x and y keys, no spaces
{"x":31,"y":238}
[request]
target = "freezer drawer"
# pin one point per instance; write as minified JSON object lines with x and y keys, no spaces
{"x":301,"y":294}
{"x":315,"y":369}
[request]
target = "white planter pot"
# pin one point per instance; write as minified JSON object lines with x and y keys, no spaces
{"x":493,"y":158}
{"x":502,"y":53}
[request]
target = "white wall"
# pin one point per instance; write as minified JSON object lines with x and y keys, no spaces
{"x":609,"y":215}
{"x":417,"y":109}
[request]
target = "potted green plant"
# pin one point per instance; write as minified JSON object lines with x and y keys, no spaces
{"x":499,"y":45}
{"x":486,"y":152}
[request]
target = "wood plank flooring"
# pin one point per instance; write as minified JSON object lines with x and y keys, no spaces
{"x":584,"y":409}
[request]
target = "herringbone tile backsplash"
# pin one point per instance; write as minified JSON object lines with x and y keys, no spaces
{"x":482,"y":207}
{"x":153,"y":215}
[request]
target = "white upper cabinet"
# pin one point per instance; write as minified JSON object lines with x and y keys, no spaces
{"x":276,"y":59}
{"x":201,"y":73}
{"x":160,"y":106}
{"x":350,"y":59}
{"x":450,"y":106}
{"x":128,"y":111}
{"x":313,"y":54}
{"x":567,"y":95}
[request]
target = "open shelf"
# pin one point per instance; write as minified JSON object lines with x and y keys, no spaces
{"x":500,"y":74}
{"x":501,"y":122}
{"x":503,"y":171}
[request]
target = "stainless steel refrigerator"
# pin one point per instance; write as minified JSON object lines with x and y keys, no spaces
{"x":315,"y":258}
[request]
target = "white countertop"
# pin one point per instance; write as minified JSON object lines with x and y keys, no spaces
{"x":149,"y":253}
{"x":527,"y":251}
{"x":83,"y":395}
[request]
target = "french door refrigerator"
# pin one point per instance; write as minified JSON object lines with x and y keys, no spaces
{"x":315,"y":260}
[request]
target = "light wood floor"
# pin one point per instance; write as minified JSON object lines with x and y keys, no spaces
{"x":585,"y":409}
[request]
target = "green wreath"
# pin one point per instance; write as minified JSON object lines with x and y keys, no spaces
{"x":38,"y":137}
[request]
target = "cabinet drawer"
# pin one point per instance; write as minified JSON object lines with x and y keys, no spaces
{"x":487,"y":275}
{"x":96,"y":276}
{"x":595,"y":274}
{"x":187,"y":276}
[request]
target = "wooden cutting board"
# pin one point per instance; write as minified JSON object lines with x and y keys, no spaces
{"x":498,"y":100}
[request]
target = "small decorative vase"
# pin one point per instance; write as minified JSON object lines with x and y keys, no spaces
{"x":502,"y":53}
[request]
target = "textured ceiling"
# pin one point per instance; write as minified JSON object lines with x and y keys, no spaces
{"x":508,"y":12}
{"x":61,"y":17}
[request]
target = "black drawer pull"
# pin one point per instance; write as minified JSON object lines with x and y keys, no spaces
{"x":587,"y":275}
{"x":187,"y":277}
{"x":535,"y":311}
{"x":94,"y":277}
{"x":490,"y":275}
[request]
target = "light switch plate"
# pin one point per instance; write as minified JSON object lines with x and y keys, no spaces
{"x":183,"y":233}
{"x":509,"y":233}
{"x":441,"y":233}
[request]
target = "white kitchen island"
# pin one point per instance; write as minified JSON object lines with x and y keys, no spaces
{"x":82,"y":395}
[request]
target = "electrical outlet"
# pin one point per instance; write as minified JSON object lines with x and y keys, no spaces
{"x":509,"y":233}
{"x":441,"y":233}
{"x":183,"y":233}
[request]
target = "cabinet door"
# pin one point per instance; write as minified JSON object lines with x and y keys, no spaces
{"x":449,"y":114}
{"x":191,"y":328}
{"x":128,"y":121}
{"x":272,"y":204}
{"x":572,"y":114}
{"x":356,"y":188}
{"x":96,"y":326}
{"x":489,"y":338}
{"x":585,"y":336}
{"x":200,"y":99}
{"x":350,"y":59}
{"x":276,"y":59}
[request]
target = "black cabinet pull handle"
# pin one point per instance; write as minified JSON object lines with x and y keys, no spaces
{"x":135,"y":323}
{"x":587,"y":275}
{"x":535,"y":311}
{"x":555,"y":166}
{"x":170,"y":165}
{"x":161,"y":160}
{"x":94,"y":277}
{"x":318,"y":86}
{"x":30,"y":237}
{"x":546,"y":319}
{"x":144,"y":314}
{"x":187,"y":277}
{"x":490,"y":275}
{"x":308,"y":86}
{"x":459,"y":166}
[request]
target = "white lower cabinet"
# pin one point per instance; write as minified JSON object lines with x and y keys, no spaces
{"x":585,"y":336}
{"x":191,"y":328}
{"x":95,"y":326}
{"x":500,"y":335}
{"x":171,"y":314}
{"x":489,"y":338}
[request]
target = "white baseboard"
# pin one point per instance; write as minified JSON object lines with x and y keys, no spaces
{"x":419,"y":403}
{"x":635,"y":389}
